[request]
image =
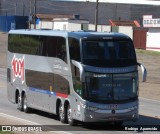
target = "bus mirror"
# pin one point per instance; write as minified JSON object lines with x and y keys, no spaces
{"x":144,"y":72}
{"x":81,"y":70}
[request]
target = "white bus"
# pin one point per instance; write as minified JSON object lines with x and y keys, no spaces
{"x":79,"y":76}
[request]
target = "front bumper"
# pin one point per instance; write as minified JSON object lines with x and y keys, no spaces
{"x":110,"y":115}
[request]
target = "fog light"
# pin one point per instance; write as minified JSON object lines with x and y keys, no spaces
{"x":133,"y":115}
{"x":91,"y":116}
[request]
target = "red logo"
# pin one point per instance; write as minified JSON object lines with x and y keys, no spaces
{"x":18,"y":68}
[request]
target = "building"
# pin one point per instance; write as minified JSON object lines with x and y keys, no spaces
{"x":153,"y":34}
{"x":60,"y":22}
{"x":106,"y":9}
{"x":13,"y":22}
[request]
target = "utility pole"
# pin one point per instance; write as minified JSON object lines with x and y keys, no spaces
{"x":96,"y":15}
{"x":30,"y":9}
{"x":30,"y":13}
{"x":16,"y":9}
{"x":23,"y":8}
{"x":0,"y":6}
{"x":35,"y":1}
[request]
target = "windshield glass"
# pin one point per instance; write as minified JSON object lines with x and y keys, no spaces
{"x":109,"y":53}
{"x":111,"y":87}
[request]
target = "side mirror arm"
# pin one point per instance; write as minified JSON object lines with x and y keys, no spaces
{"x":81,"y":70}
{"x":144,"y":72}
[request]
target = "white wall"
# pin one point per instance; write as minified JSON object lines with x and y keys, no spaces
{"x":128,"y":30}
{"x":45,"y":25}
{"x":153,"y":39}
{"x":60,"y":25}
{"x":100,"y":28}
{"x":146,"y":2}
{"x":74,"y":27}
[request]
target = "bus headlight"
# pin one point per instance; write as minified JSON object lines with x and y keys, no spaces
{"x":133,"y":108}
{"x":89,"y":107}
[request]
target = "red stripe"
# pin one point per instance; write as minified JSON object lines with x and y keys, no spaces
{"x":153,"y":47}
{"x":62,"y":95}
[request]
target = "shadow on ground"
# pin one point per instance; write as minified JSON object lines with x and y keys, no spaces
{"x":143,"y":122}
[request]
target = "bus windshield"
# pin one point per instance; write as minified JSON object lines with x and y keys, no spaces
{"x":111,"y":87}
{"x":108,"y":53}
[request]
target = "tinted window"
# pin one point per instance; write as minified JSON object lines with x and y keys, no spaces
{"x":74,"y":49}
{"x":108,"y":53}
{"x":38,"y":45}
{"x":108,"y":50}
{"x":23,"y":44}
{"x":54,"y":47}
{"x":47,"y":81}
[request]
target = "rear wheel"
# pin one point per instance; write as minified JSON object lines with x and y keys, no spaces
{"x":70,"y":120}
{"x":20,"y":104}
{"x":26,"y":109}
{"x":62,"y":114}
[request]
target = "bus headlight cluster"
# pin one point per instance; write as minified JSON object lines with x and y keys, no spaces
{"x":89,"y":107}
{"x":133,"y":108}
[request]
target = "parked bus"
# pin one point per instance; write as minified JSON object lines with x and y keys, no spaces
{"x":79,"y":76}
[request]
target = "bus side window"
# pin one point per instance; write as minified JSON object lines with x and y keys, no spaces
{"x":53,"y":46}
{"x":56,"y":47}
{"x":74,"y":49}
{"x":61,"y":53}
{"x":74,"y":52}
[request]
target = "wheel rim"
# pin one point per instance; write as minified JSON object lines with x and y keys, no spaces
{"x":61,"y":113}
{"x":19,"y":101}
{"x":25,"y":103}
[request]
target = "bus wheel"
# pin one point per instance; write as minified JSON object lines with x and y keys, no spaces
{"x":20,"y":107}
{"x":118,"y":123}
{"x":71,"y":121}
{"x":62,"y":113}
{"x":24,"y":102}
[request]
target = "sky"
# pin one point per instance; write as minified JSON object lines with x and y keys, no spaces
{"x":147,"y":2}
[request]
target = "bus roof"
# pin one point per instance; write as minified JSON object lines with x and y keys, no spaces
{"x":79,"y":34}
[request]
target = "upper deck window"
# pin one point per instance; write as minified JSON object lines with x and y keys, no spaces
{"x":49,"y":46}
{"x":74,"y":49}
{"x":111,"y":51}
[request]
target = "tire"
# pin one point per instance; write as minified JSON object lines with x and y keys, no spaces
{"x":70,"y":120}
{"x":26,"y":109}
{"x":20,"y":104}
{"x":62,"y":113}
{"x":118,"y":123}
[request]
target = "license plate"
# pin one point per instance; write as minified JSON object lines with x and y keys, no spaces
{"x":113,"y":106}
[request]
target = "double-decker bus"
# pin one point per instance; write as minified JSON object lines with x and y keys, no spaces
{"x":79,"y":76}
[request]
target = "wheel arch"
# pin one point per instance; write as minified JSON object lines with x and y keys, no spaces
{"x":65,"y":103}
{"x":59,"y":100}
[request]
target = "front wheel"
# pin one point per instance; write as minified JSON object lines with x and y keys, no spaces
{"x":118,"y":123}
{"x":71,"y":121}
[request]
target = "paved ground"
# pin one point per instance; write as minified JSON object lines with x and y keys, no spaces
{"x":151,"y":88}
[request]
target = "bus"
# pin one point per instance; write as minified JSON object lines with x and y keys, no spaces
{"x":78,"y":76}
